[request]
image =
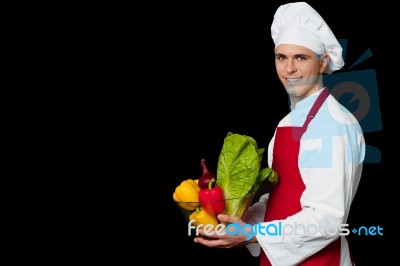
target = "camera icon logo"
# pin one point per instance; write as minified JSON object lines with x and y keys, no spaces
{"x":358,"y":92}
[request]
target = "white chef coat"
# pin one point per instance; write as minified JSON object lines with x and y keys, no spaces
{"x":331,"y":155}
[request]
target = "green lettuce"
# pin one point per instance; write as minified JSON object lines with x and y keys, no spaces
{"x":239,"y":172}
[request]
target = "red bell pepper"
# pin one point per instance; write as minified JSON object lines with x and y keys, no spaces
{"x":212,"y":199}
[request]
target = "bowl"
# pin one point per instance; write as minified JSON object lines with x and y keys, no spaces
{"x":207,"y":211}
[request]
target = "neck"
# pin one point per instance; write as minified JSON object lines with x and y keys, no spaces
{"x":294,"y":100}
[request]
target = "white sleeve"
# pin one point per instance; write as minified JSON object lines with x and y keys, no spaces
{"x":254,"y":214}
{"x":270,"y":150}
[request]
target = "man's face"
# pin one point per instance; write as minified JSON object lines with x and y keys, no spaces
{"x":299,"y":70}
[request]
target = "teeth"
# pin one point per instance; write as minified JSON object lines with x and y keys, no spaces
{"x":292,"y":79}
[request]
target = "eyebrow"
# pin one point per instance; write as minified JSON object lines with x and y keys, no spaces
{"x":296,"y":55}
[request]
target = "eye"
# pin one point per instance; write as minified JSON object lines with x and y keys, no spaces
{"x":280,"y":57}
{"x":301,"y":58}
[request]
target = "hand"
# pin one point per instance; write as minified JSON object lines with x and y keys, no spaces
{"x":222,"y":239}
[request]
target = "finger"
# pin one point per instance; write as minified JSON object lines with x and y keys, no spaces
{"x":217,"y":243}
{"x":211,"y":234}
{"x":228,"y":219}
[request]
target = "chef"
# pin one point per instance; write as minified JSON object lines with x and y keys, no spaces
{"x":317,"y":150}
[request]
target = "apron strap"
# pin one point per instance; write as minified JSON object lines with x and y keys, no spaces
{"x":314,"y":109}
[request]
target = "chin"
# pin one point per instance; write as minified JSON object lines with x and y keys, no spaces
{"x":291,"y":90}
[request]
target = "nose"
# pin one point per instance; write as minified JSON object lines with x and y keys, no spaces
{"x":290,"y":66}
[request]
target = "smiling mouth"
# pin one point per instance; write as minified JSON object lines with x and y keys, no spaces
{"x":292,"y":81}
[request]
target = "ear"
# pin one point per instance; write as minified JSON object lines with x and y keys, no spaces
{"x":323,"y":63}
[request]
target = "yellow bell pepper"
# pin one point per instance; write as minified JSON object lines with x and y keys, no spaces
{"x":203,"y":217}
{"x":186,"y":195}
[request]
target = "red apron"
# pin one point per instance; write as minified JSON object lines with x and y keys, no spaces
{"x":284,"y":199}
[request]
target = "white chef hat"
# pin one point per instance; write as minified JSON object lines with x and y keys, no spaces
{"x":298,"y":23}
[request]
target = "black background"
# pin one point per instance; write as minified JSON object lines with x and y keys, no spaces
{"x":209,"y":70}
